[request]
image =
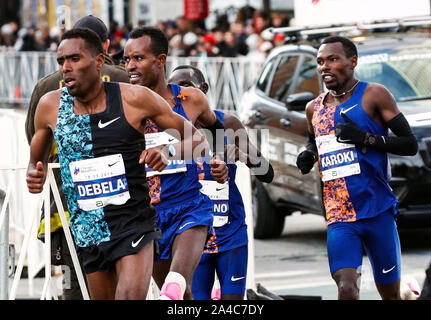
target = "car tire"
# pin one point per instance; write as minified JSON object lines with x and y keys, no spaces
{"x":267,"y":221}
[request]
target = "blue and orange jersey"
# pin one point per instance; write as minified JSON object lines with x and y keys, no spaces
{"x":355,"y":180}
{"x":175,"y":188}
{"x":233,"y":234}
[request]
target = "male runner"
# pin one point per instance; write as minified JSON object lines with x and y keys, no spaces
{"x":99,"y":131}
{"x":184,"y":213}
{"x":348,"y":129}
{"x":53,"y":81}
{"x":226,"y":251}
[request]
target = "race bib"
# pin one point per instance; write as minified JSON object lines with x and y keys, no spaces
{"x":162,"y":138}
{"x":219,"y":195}
{"x":100,"y":182}
{"x":337,"y":160}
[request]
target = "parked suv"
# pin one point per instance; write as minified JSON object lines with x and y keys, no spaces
{"x":276,"y":102}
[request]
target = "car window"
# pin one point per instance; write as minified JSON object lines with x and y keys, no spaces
{"x":407,"y":73}
{"x":307,"y":77}
{"x":283,"y":77}
{"x":262,"y":82}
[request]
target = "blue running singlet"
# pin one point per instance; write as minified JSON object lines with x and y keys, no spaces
{"x":355,"y":180}
{"x":232,"y":230}
{"x":172,"y":189}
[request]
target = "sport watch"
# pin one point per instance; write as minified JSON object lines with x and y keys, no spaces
{"x":370,"y":139}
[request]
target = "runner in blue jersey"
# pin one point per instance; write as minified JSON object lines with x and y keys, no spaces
{"x":99,"y":132}
{"x":184,"y":213}
{"x":348,"y":129}
{"x":226,"y":252}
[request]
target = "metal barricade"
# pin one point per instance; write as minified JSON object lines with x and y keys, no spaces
{"x":228,"y":78}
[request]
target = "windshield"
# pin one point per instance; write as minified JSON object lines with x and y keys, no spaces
{"x":406,"y":73}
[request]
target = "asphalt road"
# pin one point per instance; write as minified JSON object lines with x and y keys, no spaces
{"x":297,"y":262}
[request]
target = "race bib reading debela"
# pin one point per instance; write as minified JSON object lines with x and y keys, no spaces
{"x":100,"y":182}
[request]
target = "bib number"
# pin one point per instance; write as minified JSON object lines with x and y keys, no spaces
{"x":162,"y":138}
{"x":219,"y":195}
{"x":337,"y":160}
{"x":100,"y":182}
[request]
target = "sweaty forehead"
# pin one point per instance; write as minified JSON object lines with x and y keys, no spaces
{"x":138,"y":45}
{"x":71,"y":46}
{"x":326,"y":49}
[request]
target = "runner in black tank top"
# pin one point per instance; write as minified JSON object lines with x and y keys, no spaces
{"x":99,"y":134}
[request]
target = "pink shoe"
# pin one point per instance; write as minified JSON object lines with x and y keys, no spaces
{"x":216,"y":294}
{"x":414,"y":288}
{"x":170,"y":291}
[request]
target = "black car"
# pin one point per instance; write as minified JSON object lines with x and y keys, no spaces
{"x":289,"y":79}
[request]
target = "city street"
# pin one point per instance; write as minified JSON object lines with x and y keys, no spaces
{"x":297,"y":264}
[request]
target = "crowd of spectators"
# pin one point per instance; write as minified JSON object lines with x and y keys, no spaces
{"x":247,"y":36}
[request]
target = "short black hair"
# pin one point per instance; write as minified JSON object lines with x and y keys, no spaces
{"x":159,"y":41}
{"x":92,"y":40}
{"x":349,"y":47}
{"x":196,"y":72}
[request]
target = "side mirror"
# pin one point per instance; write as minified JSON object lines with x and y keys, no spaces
{"x":297,"y":101}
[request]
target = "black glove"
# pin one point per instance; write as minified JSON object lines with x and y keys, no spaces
{"x":305,"y":161}
{"x":349,"y":132}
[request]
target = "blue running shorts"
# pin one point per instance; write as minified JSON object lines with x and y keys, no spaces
{"x":177,"y":219}
{"x":231,"y":268}
{"x":379,"y":237}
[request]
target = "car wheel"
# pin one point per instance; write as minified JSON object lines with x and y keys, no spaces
{"x":267,"y":221}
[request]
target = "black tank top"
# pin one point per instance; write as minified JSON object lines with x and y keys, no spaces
{"x":92,"y":136}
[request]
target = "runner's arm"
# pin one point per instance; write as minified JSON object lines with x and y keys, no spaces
{"x":403,"y":143}
{"x":246,"y":151}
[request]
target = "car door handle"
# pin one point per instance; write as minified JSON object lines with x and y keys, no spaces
{"x":285,"y":122}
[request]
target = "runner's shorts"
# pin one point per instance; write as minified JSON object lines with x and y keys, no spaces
{"x":102,"y":257}
{"x":177,"y":219}
{"x":379,"y":237}
{"x":231,"y":268}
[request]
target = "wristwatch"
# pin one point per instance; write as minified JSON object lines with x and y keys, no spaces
{"x":370,"y":139}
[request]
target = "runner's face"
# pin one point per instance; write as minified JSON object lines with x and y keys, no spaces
{"x":334,"y":67}
{"x":78,"y":66}
{"x":141,"y":64}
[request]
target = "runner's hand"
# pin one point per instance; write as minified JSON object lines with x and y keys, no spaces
{"x":349,"y":132}
{"x":156,"y":158}
{"x":36,"y":178}
{"x":305,"y":161}
{"x":219,"y":170}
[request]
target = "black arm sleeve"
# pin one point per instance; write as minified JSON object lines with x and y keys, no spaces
{"x":267,"y":177}
{"x":404,"y":143}
{"x":213,"y":130}
{"x":311,"y":145}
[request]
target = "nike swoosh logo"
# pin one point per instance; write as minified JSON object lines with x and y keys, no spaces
{"x":134,"y":244}
{"x":111,"y":164}
{"x":236,"y":279}
{"x":185,"y":224}
{"x":348,"y":109}
{"x":103,"y":125}
{"x":343,"y":141}
{"x":171,"y":139}
{"x":219,"y":189}
{"x":386,"y":271}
